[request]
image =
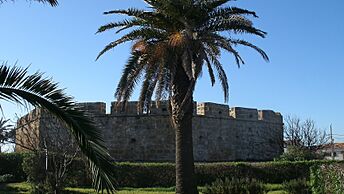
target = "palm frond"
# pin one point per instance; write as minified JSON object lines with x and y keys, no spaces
{"x":130,"y":78}
{"x":216,"y":41}
{"x":259,"y":50}
{"x":124,"y":23}
{"x":235,"y":23}
{"x":129,"y":12}
{"x":164,"y":78}
{"x":143,"y":33}
{"x":147,"y":89}
{"x":210,"y":69}
{"x":18,"y":86}
{"x":211,"y":4}
{"x":226,"y":12}
{"x":221,"y":75}
{"x":51,"y":2}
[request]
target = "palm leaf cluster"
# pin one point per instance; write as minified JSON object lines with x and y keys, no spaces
{"x":51,"y":2}
{"x":178,"y":32}
{"x":6,"y":131}
{"x":17,"y":86}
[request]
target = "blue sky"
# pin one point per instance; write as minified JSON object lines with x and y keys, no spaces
{"x":305,"y":43}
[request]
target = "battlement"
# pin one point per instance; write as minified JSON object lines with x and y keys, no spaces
{"x":207,"y":109}
{"x":213,"y":110}
{"x":269,"y":115}
{"x":97,"y":108}
{"x":244,"y":113}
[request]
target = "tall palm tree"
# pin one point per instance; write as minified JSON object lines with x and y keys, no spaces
{"x":51,"y":2}
{"x":17,"y":86}
{"x":173,"y":41}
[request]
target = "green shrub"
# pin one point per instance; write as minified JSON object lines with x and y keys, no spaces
{"x":11,"y":163}
{"x":327,"y":179}
{"x":299,"y":154}
{"x":51,"y":180}
{"x":237,"y":186}
{"x":296,"y":186}
{"x":78,"y":174}
{"x":33,"y":166}
{"x":144,"y":174}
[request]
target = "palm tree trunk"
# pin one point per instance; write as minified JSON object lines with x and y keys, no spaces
{"x":182,"y":121}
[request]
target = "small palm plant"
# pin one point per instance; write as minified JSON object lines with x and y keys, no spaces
{"x":6,"y":131}
{"x":17,"y":86}
{"x":173,"y":42}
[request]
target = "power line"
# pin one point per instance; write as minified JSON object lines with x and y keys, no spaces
{"x":332,"y":143}
{"x":338,"y":135}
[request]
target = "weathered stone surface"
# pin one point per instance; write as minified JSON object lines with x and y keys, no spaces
{"x":220,"y":133}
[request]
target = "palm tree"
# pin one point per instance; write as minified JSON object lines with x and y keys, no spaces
{"x":51,"y":2}
{"x":173,"y":41}
{"x":17,"y":86}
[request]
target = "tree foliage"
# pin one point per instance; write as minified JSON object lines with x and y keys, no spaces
{"x":171,"y":32}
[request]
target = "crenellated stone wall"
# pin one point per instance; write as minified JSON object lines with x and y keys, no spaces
{"x":220,"y":133}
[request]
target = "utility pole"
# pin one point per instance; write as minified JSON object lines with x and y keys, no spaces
{"x":332,"y":143}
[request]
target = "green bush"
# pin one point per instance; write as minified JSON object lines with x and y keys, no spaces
{"x":11,"y":163}
{"x":50,"y":180}
{"x":296,"y":186}
{"x":144,"y":174}
{"x":299,"y":154}
{"x":237,"y":186}
{"x":327,"y":179}
{"x":34,"y":167}
{"x":78,"y":174}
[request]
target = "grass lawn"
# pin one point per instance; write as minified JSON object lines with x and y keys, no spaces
{"x":128,"y":190}
{"x":21,"y":188}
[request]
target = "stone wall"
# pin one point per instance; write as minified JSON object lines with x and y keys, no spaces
{"x":220,"y":133}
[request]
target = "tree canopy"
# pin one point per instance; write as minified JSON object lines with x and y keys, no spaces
{"x":190,"y":32}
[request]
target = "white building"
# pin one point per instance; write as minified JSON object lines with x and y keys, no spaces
{"x":338,"y":151}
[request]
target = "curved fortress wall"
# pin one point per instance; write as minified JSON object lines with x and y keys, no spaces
{"x":220,"y":133}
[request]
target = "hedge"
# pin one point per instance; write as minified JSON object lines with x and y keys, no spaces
{"x":268,"y":172}
{"x":163,"y":174}
{"x":144,"y":174}
{"x":11,"y":164}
